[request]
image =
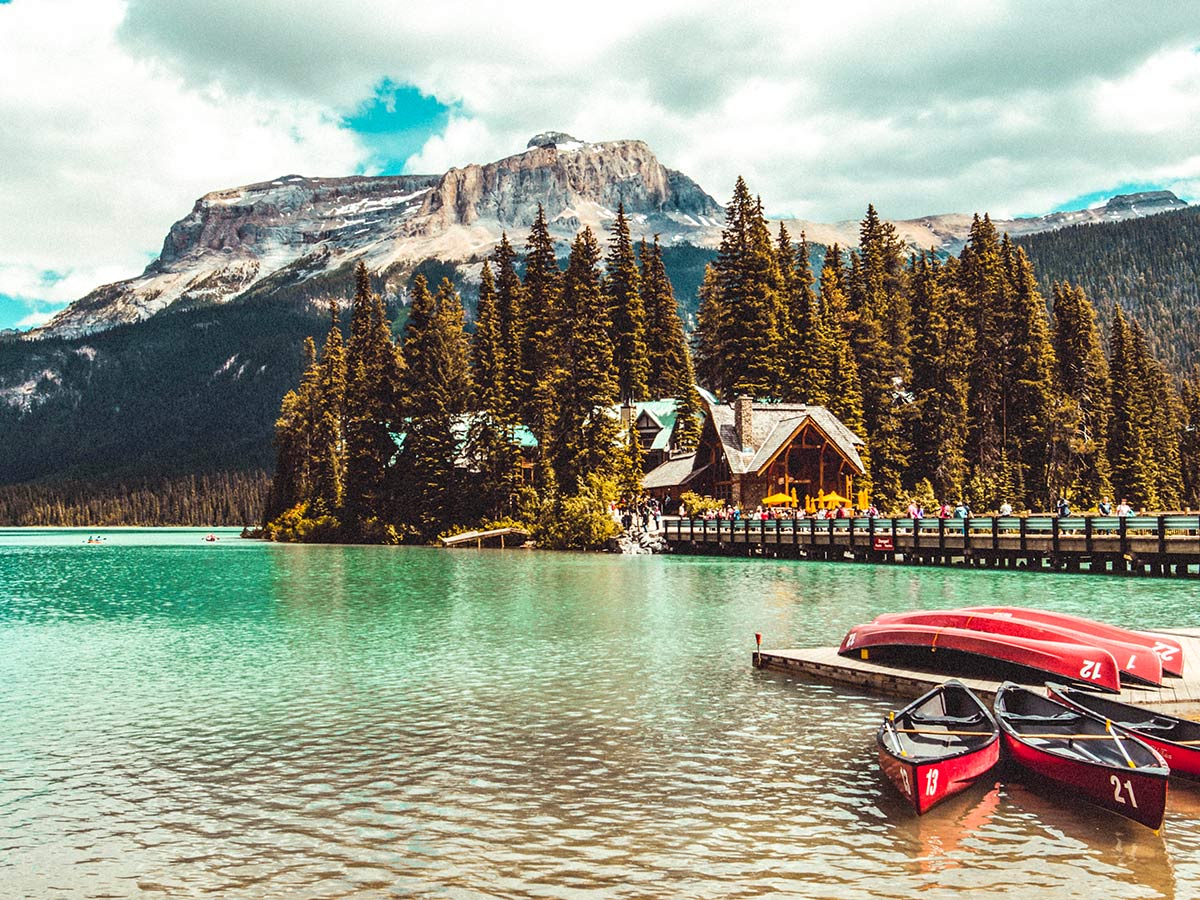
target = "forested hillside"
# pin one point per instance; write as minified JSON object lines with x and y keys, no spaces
{"x":1150,"y":266}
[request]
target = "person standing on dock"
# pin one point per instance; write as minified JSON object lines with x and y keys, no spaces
{"x":1124,"y":509}
{"x":1005,"y":508}
{"x":1104,"y":507}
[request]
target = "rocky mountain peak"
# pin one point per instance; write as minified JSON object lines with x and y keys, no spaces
{"x":551,"y":138}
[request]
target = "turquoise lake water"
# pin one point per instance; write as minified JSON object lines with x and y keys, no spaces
{"x":243,"y":720}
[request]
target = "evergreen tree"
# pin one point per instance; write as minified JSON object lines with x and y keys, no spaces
{"x":583,"y":440}
{"x":735,"y":338}
{"x":1132,"y":471}
{"x":839,"y":385}
{"x":487,"y":351}
{"x":327,"y":450}
{"x":940,"y":359}
{"x":1189,"y":446}
{"x":631,"y":463}
{"x":511,"y":328}
{"x":628,"y":332}
{"x":438,"y":388}
{"x":371,"y":378}
{"x":292,"y":483}
{"x":1029,"y":374}
{"x":1079,"y":455}
{"x":671,"y":373}
{"x":879,"y":336}
{"x":540,"y":350}
{"x":1162,"y":437}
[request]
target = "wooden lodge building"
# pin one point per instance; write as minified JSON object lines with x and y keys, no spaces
{"x":751,"y":450}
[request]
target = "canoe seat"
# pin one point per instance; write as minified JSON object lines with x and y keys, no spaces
{"x":948,"y":721}
{"x":1061,"y":718}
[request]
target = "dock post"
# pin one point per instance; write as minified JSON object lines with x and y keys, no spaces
{"x":1123,"y":529}
{"x":1162,"y":535}
{"x":895,"y":540}
{"x":1087,"y":534}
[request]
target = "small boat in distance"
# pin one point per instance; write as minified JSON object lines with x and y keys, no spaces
{"x":210,"y":538}
{"x":1134,"y":661}
{"x":938,"y":745}
{"x":1072,"y":662}
{"x":1085,"y":755}
{"x":1169,"y":650}
{"x":1176,"y":740}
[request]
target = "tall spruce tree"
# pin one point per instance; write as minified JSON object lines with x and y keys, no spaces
{"x":540,"y":350}
{"x":1083,"y":399}
{"x":736,"y":336}
{"x":622,"y":286}
{"x":438,"y":389}
{"x":879,"y":334}
{"x":511,"y":328}
{"x":839,"y":385}
{"x":940,"y":358}
{"x":671,"y":372}
{"x":1189,"y":445}
{"x":327,"y":448}
{"x":372,"y":374}
{"x":1133,"y":476}
{"x":584,"y":436}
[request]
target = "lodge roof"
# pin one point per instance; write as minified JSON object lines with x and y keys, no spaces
{"x":672,"y":473}
{"x":773,"y":426}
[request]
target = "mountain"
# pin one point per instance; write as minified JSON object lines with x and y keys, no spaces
{"x":302,"y":236}
{"x":299,"y":237}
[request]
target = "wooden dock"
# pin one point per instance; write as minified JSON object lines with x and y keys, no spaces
{"x":496,"y":537}
{"x":1180,"y":695}
{"x":1166,"y":545}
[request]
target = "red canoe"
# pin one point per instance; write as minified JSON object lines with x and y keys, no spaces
{"x":938,"y":745}
{"x":1168,"y":650}
{"x":1083,"y":754}
{"x":1074,"y":662}
{"x":1176,"y":740}
{"x":1134,"y":661}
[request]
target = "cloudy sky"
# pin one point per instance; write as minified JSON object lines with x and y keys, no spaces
{"x":118,"y":114}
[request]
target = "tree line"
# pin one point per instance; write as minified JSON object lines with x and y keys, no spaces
{"x":388,"y":440}
{"x":226,"y":498}
{"x":962,"y":380}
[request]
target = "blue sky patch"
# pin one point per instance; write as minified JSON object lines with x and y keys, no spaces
{"x":15,"y":309}
{"x":395,"y":123}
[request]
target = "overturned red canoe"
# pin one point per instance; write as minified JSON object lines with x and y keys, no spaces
{"x":1082,"y":753}
{"x":1168,"y":650}
{"x":1176,"y":740}
{"x":1134,"y":661}
{"x":938,"y":745}
{"x":1073,"y":662}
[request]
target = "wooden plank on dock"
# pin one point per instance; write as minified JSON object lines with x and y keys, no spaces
{"x":1180,"y":695}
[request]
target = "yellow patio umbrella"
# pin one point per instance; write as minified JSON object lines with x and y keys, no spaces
{"x":779,"y":499}
{"x":833,"y":498}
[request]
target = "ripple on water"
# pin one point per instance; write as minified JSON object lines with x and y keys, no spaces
{"x":256,"y":721}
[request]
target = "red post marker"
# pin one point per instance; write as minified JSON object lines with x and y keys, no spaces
{"x":758,"y":639}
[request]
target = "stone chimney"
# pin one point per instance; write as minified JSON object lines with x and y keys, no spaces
{"x":743,"y":420}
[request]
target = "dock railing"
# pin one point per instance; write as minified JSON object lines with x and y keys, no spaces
{"x":1157,"y":544}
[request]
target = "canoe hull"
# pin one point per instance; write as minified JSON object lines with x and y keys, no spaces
{"x":938,"y":745}
{"x":1183,"y":759}
{"x":1135,"y":661}
{"x":926,"y":783}
{"x":1072,"y":662}
{"x":1082,"y":755}
{"x":1168,"y":650}
{"x":1129,"y":793}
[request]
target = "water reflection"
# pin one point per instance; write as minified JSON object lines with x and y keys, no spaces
{"x":258,"y":721}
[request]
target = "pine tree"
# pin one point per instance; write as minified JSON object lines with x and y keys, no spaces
{"x":1083,"y":399}
{"x":512,"y":328}
{"x":583,"y":440}
{"x":487,"y":352}
{"x":292,"y":483}
{"x":1189,"y":446}
{"x":671,"y":373}
{"x":939,"y":364}
{"x":540,"y":350}
{"x":327,"y":449}
{"x":371,"y":377}
{"x":1132,"y":473}
{"x":438,"y":387}
{"x":879,"y":336}
{"x":839,"y":385}
{"x":628,"y":333}
{"x":735,"y":338}
{"x":1028,"y":384}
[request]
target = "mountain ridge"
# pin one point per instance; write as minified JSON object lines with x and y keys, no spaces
{"x":305,"y":233}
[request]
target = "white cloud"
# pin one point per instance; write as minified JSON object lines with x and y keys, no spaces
{"x":115,"y":121}
{"x":103,"y":150}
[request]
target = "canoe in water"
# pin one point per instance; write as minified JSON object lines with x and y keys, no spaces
{"x":938,"y":745}
{"x":1083,"y":754}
